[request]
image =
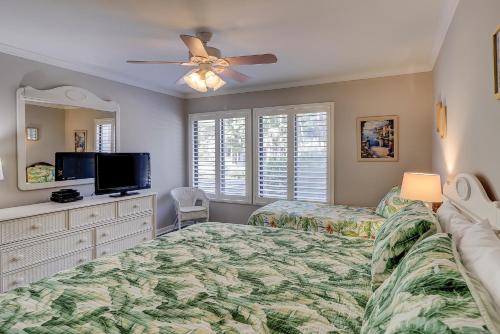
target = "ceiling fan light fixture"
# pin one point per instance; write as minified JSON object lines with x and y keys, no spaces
{"x":213,"y":81}
{"x":195,"y":81}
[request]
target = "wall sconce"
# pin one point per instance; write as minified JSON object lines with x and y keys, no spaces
{"x":32,"y":134}
{"x":1,"y":171}
{"x":441,"y":120}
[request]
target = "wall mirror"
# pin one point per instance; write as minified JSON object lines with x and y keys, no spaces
{"x":59,"y":127}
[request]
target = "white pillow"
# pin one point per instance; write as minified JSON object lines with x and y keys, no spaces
{"x":480,"y":251}
{"x":448,"y":213}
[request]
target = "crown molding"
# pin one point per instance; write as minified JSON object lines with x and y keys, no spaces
{"x":446,"y":17}
{"x":85,"y":68}
{"x":312,"y":82}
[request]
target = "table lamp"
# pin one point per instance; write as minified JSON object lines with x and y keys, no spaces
{"x":422,"y":187}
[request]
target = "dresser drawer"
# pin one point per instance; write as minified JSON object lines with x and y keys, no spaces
{"x":91,"y":215}
{"x":35,"y":273}
{"x":24,"y":228}
{"x":122,"y":244}
{"x":30,"y":254}
{"x":115,"y":231}
{"x":136,"y":205}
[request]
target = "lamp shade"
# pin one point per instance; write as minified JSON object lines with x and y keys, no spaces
{"x":422,"y":187}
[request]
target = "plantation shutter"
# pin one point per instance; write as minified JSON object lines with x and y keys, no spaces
{"x":203,"y":155}
{"x":292,"y":153}
{"x":104,"y":135}
{"x":311,"y":157}
{"x":272,"y":173}
{"x":233,"y":160}
{"x":221,"y":154}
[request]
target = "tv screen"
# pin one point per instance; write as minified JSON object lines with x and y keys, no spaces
{"x":121,"y":172}
{"x":74,"y":166}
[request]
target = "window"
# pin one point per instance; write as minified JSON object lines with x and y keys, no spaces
{"x":292,"y":146}
{"x":105,"y":135}
{"x":220,"y":154}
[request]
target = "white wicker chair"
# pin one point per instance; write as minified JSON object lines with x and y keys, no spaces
{"x":185,"y":199}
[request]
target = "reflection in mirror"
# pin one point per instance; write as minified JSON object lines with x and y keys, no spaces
{"x":61,"y":129}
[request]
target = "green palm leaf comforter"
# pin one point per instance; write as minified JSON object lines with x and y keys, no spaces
{"x":319,"y":217}
{"x":208,"y":278}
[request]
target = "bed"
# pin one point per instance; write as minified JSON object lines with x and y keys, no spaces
{"x":207,"y":277}
{"x":319,"y":217}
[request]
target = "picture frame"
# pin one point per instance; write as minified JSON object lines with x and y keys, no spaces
{"x":80,"y":140}
{"x":496,"y":62}
{"x":377,"y":138}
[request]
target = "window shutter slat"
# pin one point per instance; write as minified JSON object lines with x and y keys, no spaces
{"x":233,"y":156}
{"x":204,"y":155}
{"x":272,"y":156}
{"x":311,"y":157}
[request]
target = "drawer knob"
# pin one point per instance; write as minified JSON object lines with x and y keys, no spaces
{"x":104,"y":252}
{"x":81,"y":260}
{"x":36,"y":226}
{"x":82,"y":240}
{"x":136,"y":206}
{"x":145,"y":223}
{"x":17,"y":258}
{"x":145,"y":238}
{"x":94,"y":215}
{"x":105,"y":234}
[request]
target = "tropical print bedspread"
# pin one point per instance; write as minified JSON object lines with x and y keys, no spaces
{"x":208,"y":278}
{"x":319,"y":217}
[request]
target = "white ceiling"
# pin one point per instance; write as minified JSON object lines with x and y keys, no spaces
{"x":315,"y":41}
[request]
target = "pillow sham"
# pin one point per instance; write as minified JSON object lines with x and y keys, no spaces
{"x":480,"y":251}
{"x":391,"y":203}
{"x":452,"y":221}
{"x":397,"y":236}
{"x":430,"y":292}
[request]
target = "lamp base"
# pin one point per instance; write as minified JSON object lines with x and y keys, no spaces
{"x":435,"y":206}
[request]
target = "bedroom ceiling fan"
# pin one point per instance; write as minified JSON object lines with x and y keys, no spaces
{"x":211,"y":68}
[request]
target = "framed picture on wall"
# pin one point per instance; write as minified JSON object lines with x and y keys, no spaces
{"x":80,"y":138}
{"x":378,"y":138}
{"x":496,"y":61}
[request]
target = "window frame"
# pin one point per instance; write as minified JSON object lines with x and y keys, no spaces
{"x":218,"y":116}
{"x":291,"y":111}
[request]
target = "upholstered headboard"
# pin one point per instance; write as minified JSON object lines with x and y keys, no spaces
{"x":467,"y":193}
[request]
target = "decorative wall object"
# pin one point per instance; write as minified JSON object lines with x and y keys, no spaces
{"x":441,"y":120}
{"x":378,"y":138}
{"x":32,"y":134}
{"x":496,"y":61}
{"x":80,"y":140}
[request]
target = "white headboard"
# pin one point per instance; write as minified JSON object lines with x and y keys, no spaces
{"x":466,"y":192}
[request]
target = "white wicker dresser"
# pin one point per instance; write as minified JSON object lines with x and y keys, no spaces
{"x":41,"y":239}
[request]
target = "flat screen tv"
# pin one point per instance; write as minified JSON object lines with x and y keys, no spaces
{"x":122,"y":173}
{"x":74,"y":166}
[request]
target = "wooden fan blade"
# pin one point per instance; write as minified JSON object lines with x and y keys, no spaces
{"x":195,"y":46}
{"x":235,"y":75}
{"x":159,"y":62}
{"x":267,"y":58}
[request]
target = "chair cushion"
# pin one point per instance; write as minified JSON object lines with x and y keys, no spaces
{"x":392,"y":203}
{"x":187,"y":209}
{"x":397,"y":236}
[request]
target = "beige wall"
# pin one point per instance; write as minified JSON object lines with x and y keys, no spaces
{"x":356,"y":183}
{"x":50,"y":124}
{"x":463,"y":79}
{"x":150,"y":122}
